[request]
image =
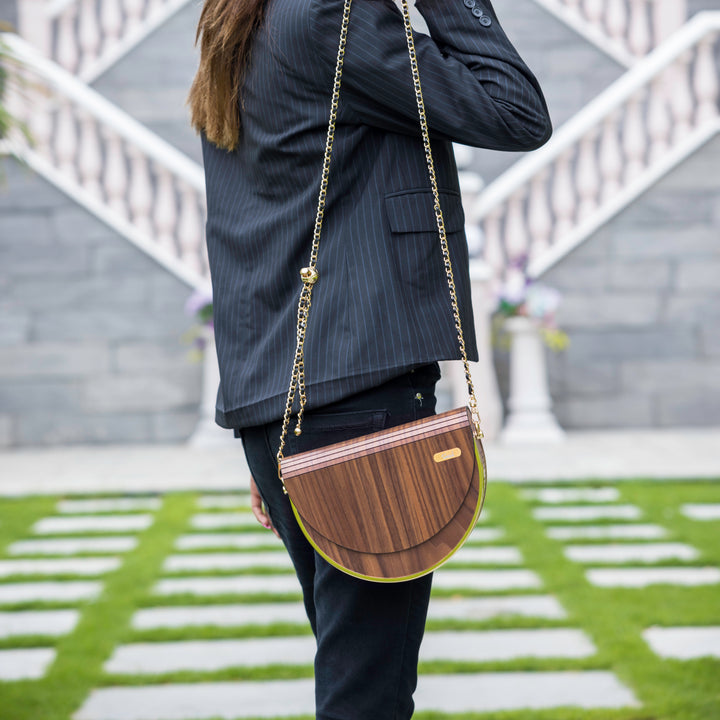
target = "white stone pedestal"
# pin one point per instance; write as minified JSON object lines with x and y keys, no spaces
{"x":208,"y":433}
{"x":531,"y":418}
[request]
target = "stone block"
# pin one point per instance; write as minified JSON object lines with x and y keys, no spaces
{"x":587,"y":379}
{"x":699,"y":275}
{"x":121,"y":258}
{"x":614,"y":310}
{"x":25,"y":229}
{"x":7,"y":431}
{"x":697,"y":407}
{"x":54,"y":360}
{"x":670,"y":376}
{"x":577,"y":274}
{"x":73,"y":225}
{"x":168,"y":292}
{"x":663,"y":242}
{"x":607,"y":412}
{"x":660,"y":341}
{"x":25,"y":260}
{"x":39,"y":396}
{"x":25,"y":190}
{"x":146,"y":356}
{"x":14,"y":328}
{"x":128,"y":393}
{"x":640,"y":275}
{"x":693,"y":308}
{"x":710,"y":340}
{"x":58,"y":427}
{"x":175,"y":427}
{"x":664,"y":207}
{"x":699,"y":173}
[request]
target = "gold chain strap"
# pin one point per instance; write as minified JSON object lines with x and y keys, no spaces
{"x":309,"y":275}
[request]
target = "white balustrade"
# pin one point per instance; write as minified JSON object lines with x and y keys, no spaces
{"x":87,"y":36}
{"x":103,"y":158}
{"x":665,"y":105}
{"x":625,"y":29}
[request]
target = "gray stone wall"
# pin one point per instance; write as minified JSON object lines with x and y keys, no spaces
{"x":642,"y":308}
{"x":91,"y":329}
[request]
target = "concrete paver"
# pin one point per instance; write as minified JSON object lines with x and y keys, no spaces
{"x":494,"y":555}
{"x":91,"y":523}
{"x":606,"y":532}
{"x":583,"y":513}
{"x":224,"y":501}
{"x":49,"y":591}
{"x":218,"y":520}
{"x":59,"y":566}
{"x":472,"y":692}
{"x":100,"y":505}
{"x":627,"y":552}
{"x":25,"y":663}
{"x":226,"y":561}
{"x":642,"y":577}
{"x":701,"y":511}
{"x":235,"y":585}
{"x":37,"y":622}
{"x":73,"y":546}
{"x":684,"y":643}
{"x":484,"y":608}
{"x":558,"y":496}
{"x":447,"y":579}
{"x":216,"y":541}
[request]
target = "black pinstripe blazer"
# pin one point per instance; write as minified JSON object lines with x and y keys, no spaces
{"x":381,"y":305}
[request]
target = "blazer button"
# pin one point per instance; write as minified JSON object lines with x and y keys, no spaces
{"x":477,"y":12}
{"x":485,"y":21}
{"x":469,"y":3}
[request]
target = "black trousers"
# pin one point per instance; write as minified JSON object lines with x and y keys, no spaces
{"x":368,"y":634}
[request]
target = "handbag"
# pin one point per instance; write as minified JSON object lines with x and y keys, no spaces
{"x":396,"y":504}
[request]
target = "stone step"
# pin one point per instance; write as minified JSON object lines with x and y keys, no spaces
{"x":446,"y":579}
{"x":468,"y":609}
{"x":219,"y":520}
{"x":53,"y":623}
{"x":74,"y":546}
{"x":466,"y":693}
{"x":498,"y":555}
{"x":582,"y":513}
{"x":606,"y":532}
{"x":234,"y":585}
{"x":626,"y":553}
{"x":25,"y":664}
{"x":224,"y":501}
{"x":113,"y":505}
{"x":701,"y":511}
{"x":684,"y":643}
{"x":642,"y":577}
{"x":467,"y":646}
{"x":61,"y":525}
{"x":49,"y":591}
{"x":239,"y":541}
{"x":557,"y":496}
{"x":226,"y":561}
{"x":62,"y":566}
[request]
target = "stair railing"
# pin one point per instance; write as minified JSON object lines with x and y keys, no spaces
{"x":133,"y":180}
{"x":625,"y":29}
{"x":86,"y":37}
{"x":644,"y":124}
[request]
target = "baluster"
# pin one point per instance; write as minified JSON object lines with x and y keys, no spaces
{"x":492,"y":251}
{"x":681,"y":98}
{"x":563,"y":197}
{"x":165,"y":215}
{"x":658,"y":118}
{"x":133,"y":12}
{"x":572,"y":5}
{"x":89,"y":156}
{"x":705,"y":81}
{"x":516,"y":237}
{"x":89,"y":34}
{"x":611,"y":159}
{"x":153,"y":7}
{"x":111,"y":22}
{"x":115,"y":179}
{"x":668,"y":16}
{"x":588,"y":183}
{"x":539,"y":217}
{"x":594,"y":12}
{"x":67,"y":54}
{"x":617,"y":21}
{"x":34,"y":24}
{"x":634,"y":139}
{"x":190,"y":229}
{"x":140,"y":196}
{"x":33,"y":106}
{"x":639,"y":28}
{"x":66,"y":141}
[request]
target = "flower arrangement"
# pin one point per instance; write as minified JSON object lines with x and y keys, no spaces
{"x":521,"y":296}
{"x":199,"y":306}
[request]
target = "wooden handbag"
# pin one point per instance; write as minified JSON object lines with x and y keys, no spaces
{"x":396,"y":504}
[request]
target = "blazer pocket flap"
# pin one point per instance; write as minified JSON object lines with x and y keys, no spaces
{"x":413,"y":212}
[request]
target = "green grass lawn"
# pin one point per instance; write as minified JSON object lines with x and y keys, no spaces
{"x":613,"y":618}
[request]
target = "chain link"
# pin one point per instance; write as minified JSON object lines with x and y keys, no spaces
{"x":309,"y":274}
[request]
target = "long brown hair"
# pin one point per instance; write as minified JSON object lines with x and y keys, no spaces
{"x":225,"y":34}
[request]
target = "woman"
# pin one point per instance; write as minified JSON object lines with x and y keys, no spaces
{"x":381,"y":318}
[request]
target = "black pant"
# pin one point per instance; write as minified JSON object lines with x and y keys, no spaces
{"x":368,"y":634}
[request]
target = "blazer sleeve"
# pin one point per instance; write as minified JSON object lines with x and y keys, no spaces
{"x":477,"y":89}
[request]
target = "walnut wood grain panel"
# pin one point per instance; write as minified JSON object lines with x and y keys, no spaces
{"x":390,"y":500}
{"x":414,"y":561}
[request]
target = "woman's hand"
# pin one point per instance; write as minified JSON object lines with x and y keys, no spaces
{"x":259,"y":511}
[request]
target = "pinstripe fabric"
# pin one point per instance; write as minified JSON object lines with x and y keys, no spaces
{"x":381,"y":305}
